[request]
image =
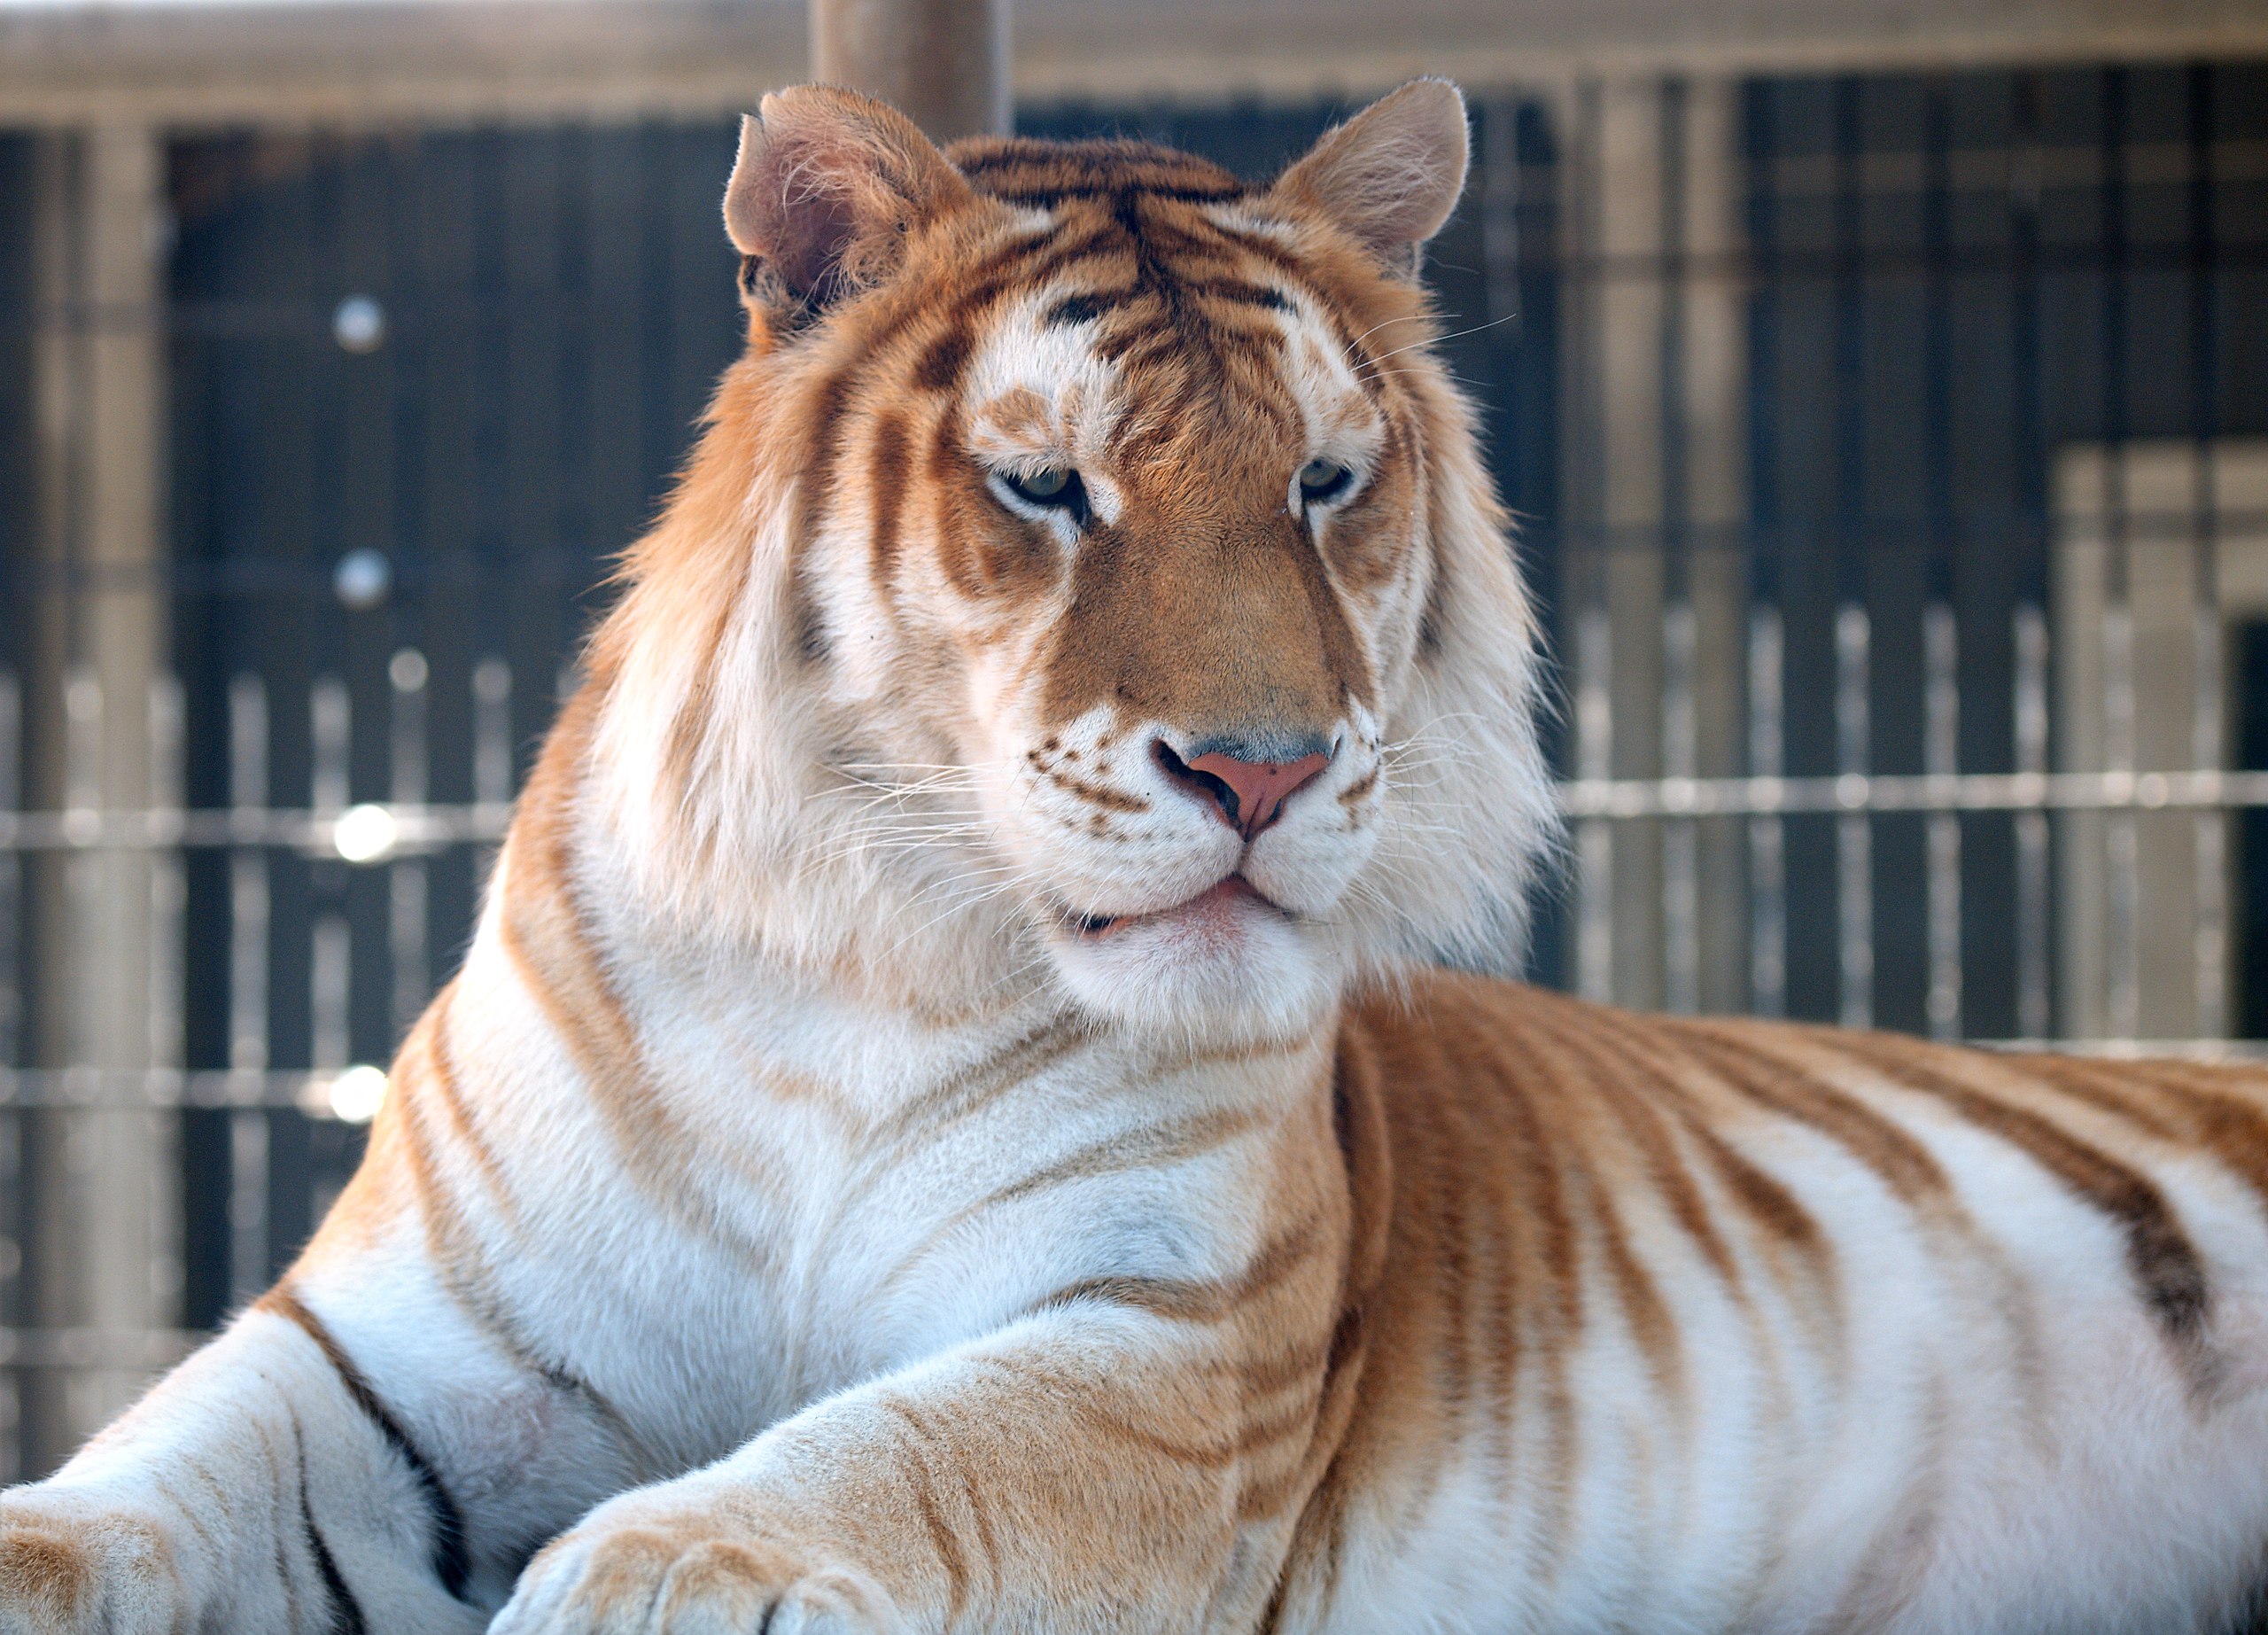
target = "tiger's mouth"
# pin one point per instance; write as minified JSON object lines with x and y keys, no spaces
{"x":1217,"y":905}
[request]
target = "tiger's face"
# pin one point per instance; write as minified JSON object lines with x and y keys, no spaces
{"x":1126,"y":510}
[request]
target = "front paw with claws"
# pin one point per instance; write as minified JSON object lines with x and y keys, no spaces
{"x":634,"y":1568}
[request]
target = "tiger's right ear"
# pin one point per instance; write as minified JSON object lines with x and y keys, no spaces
{"x":826,"y":186}
{"x":1391,"y":175}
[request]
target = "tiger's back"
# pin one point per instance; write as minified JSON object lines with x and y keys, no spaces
{"x":1712,"y":1323}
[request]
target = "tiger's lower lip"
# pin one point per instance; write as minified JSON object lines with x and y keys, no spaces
{"x":1228,"y":889}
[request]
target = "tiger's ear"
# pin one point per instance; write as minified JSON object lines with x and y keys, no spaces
{"x":826,"y":186}
{"x":1391,"y":175}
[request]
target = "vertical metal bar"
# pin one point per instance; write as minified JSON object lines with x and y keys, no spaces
{"x":330,"y":981}
{"x":2210,"y":826}
{"x":1680,"y":858}
{"x":2034,"y":957}
{"x":11,"y":1266}
{"x":1768,"y":937}
{"x":491,"y":744}
{"x":2124,"y":999}
{"x":83,"y":708}
{"x":407,"y":885}
{"x":491,"y":732}
{"x":1940,"y":658}
{"x":11,"y":991}
{"x":1594,"y":837}
{"x":248,"y":896}
{"x":330,"y":951}
{"x":169,"y":886}
{"x":330,"y":723}
{"x":83,"y":1142}
{"x":82,"y":736}
{"x":1853,"y":829}
{"x":1713,"y":444}
{"x":2120,"y":835}
{"x":1767,"y":869}
{"x":248,"y":1245}
{"x":945,"y":62}
{"x":1940,"y":752}
{"x":248,"y":1049}
{"x":1854,"y":867}
{"x":2208,"y":731}
{"x":12,"y":1249}
{"x":1586,"y":568}
{"x":2035,"y":961}
{"x":1681,"y":899}
{"x":408,"y":673}
{"x":105,"y":1195}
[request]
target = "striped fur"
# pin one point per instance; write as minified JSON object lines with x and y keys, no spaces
{"x":895,"y":1159}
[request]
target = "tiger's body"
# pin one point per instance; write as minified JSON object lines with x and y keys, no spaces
{"x":947,"y":1121}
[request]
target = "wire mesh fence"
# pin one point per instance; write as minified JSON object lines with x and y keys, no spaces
{"x":1911,"y":507}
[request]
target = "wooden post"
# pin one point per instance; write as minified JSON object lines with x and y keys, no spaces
{"x":944,"y":63}
{"x":105,"y":1260}
{"x":1655,"y":411}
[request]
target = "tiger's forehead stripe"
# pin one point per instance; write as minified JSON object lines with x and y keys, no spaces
{"x":1028,"y":171}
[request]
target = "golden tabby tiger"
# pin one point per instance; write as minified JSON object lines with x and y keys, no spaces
{"x":950,"y":1121}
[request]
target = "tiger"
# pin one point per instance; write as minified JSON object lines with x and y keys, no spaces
{"x":984,"y":1094}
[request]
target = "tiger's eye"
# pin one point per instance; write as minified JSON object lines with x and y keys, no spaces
{"x":1057,"y":488}
{"x":1320,"y":479}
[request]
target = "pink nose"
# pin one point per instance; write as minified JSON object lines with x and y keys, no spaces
{"x":1248,"y":794}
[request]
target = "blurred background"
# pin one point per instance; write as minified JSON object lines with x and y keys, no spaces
{"x":1882,"y":385}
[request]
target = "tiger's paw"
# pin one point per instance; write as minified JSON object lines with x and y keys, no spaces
{"x":68,"y":1566}
{"x":636,"y":1568}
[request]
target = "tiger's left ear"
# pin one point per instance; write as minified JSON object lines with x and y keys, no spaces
{"x":825,"y":187}
{"x":1391,"y":175}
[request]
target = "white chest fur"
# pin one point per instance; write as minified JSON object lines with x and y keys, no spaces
{"x":839,"y":1192}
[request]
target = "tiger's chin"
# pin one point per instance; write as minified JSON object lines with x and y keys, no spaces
{"x":1225,"y":966}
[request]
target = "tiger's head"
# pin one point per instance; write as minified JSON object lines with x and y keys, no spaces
{"x":1088,"y":578}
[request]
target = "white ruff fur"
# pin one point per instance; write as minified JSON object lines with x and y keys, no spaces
{"x":883,"y":1136}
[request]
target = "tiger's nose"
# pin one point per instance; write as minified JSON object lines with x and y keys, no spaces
{"x":1249,"y":795}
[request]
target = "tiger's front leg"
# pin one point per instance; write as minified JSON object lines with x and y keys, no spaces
{"x":1093,"y":1467}
{"x":249,"y":1492}
{"x":341,"y":1458}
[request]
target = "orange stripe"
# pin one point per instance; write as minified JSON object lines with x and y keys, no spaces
{"x":1643,"y":1051}
{"x":434,"y":1033}
{"x":544,"y":935}
{"x":1740,"y":1057}
{"x":2158,"y":1252}
{"x":2195,"y":1104}
{"x":915,"y":1450}
{"x":1151,"y":1146}
{"x":1199,"y":1300}
{"x":1653,"y":1324}
{"x":1620,"y":1059}
{"x":965,"y":1094}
